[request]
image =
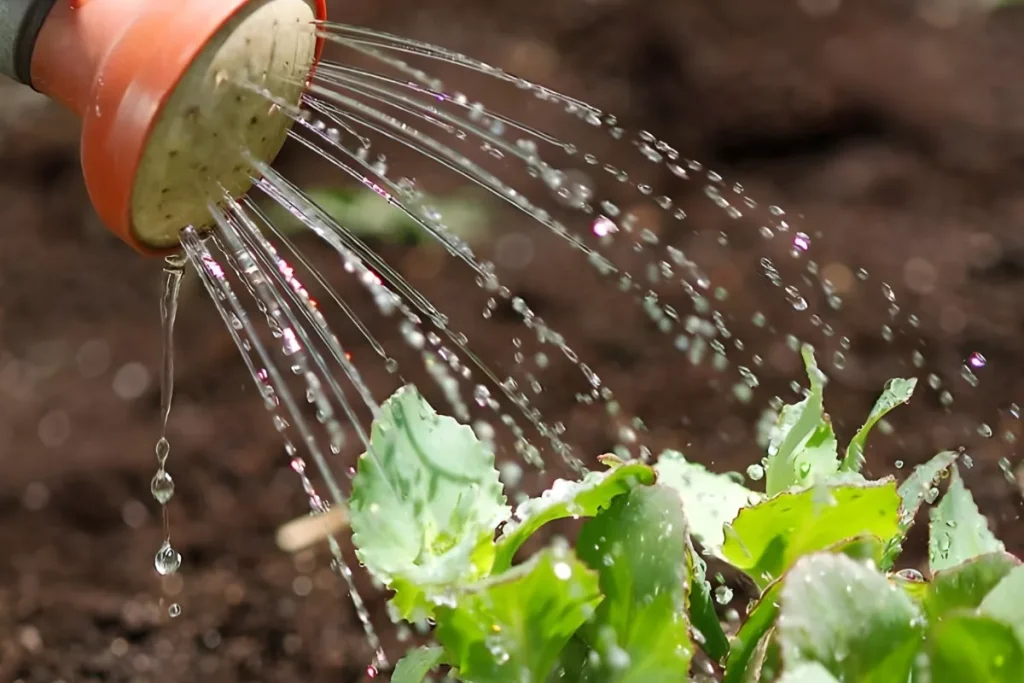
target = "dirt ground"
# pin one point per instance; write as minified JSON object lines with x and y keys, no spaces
{"x":892,"y":132}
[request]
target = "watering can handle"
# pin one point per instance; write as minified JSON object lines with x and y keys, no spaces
{"x":20,"y":21}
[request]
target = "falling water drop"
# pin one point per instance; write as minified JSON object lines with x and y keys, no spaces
{"x":162,"y":487}
{"x":167,"y":560}
{"x":795,"y":299}
{"x":571,"y":188}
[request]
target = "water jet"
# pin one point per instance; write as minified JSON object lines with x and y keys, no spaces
{"x":184,"y":111}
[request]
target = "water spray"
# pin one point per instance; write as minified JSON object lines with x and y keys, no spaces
{"x":185,"y":106}
{"x":152,"y":83}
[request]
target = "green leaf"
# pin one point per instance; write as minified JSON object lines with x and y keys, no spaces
{"x":757,"y":624}
{"x":917,"y":487}
{"x":416,"y":664}
{"x":765,"y":540}
{"x":512,"y":627}
{"x":1006,"y":601}
{"x":565,"y":498}
{"x":966,"y":585}
{"x":701,"y":607}
{"x":576,"y":664}
{"x":638,"y":545}
{"x":914,"y":491}
{"x":958,"y":530}
{"x":971,"y":647}
{"x":896,"y":393}
{"x":761,"y":616}
{"x":425,"y":502}
{"x":802,"y":447}
{"x":710,"y":500}
{"x":846,"y":616}
{"x":808,"y":672}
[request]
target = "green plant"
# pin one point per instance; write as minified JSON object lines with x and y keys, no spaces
{"x":630,"y":602}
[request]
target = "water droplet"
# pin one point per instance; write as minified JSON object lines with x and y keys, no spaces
{"x":977,"y":361}
{"x":163,"y":449}
{"x":572,"y":188}
{"x":174,"y":610}
{"x":162,"y":487}
{"x":911,"y":575}
{"x":167,"y":560}
{"x":1007,"y":469}
{"x":604,"y":226}
{"x":795,"y":300}
{"x":801,"y":242}
{"x":723,"y":595}
{"x":755,"y":472}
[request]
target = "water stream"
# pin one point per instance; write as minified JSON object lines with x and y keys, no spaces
{"x":349,"y":117}
{"x":167,"y":560}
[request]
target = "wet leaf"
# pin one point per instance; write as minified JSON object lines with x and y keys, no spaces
{"x":701,"y":608}
{"x":897,"y":392}
{"x":973,"y":647}
{"x":575,"y":664}
{"x":761,"y":617}
{"x":638,"y":546}
{"x":565,"y":498}
{"x":758,"y":622}
{"x":802,"y":447}
{"x":710,"y":500}
{"x":966,"y":585}
{"x":416,"y":664}
{"x":1006,"y":602}
{"x":765,"y":540}
{"x":513,"y":626}
{"x":914,"y":491}
{"x":425,"y":502}
{"x":839,"y":612}
{"x":958,"y":530}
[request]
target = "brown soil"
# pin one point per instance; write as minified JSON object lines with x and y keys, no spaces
{"x":892,"y":138}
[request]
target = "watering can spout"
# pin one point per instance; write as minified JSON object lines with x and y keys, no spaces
{"x":174,"y":96}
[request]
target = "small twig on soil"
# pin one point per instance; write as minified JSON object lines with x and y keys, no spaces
{"x":304,"y":532}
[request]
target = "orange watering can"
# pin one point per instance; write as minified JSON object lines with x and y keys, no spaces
{"x":170,"y":93}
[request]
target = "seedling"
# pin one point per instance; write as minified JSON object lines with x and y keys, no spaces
{"x":630,"y":600}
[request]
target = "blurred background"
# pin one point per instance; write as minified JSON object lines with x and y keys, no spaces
{"x":892,"y":133}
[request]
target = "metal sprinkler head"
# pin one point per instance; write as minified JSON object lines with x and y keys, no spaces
{"x":172,"y":96}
